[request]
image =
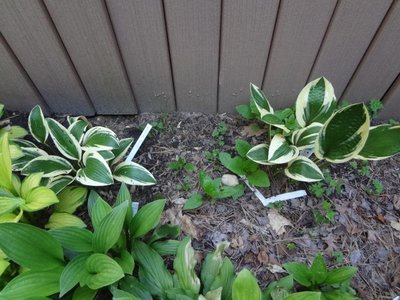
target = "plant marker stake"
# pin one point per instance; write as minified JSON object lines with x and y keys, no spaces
{"x":135,"y":149}
{"x":273,"y":199}
{"x":139,"y":142}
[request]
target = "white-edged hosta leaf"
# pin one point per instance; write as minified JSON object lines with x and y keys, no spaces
{"x":9,"y":204}
{"x":305,"y":137}
{"x":259,"y":154}
{"x":101,"y":270}
{"x":274,"y":120}
{"x":5,"y":163}
{"x":383,"y":141}
{"x":33,"y":284}
{"x":50,"y":166}
{"x":72,"y":273}
{"x":74,"y":238}
{"x":261,"y":102}
{"x":100,"y":138}
{"x":37,"y":124}
{"x":245,"y":287}
{"x":30,"y":247}
{"x":29,"y":153}
{"x":29,"y":183}
{"x":344,"y":135}
{"x":108,"y":231}
{"x":133,"y":174}
{"x":106,"y":154}
{"x":315,"y":102}
{"x":184,"y":264}
{"x":65,"y":142}
{"x":57,"y":184}
{"x":77,"y":129}
{"x":39,"y":198}
{"x":96,"y":171}
{"x":23,"y":143}
{"x":123,"y":147}
{"x":304,"y":169}
{"x":58,"y":220}
{"x":146,"y":218}
{"x":70,"y":199}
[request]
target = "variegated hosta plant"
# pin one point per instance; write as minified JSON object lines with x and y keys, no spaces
{"x":317,"y":131}
{"x":89,"y":155}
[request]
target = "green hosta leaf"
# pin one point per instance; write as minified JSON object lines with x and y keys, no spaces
{"x":242,"y":147}
{"x":194,"y":201}
{"x":11,"y":217}
{"x":5,"y":163}
{"x":30,"y":247}
{"x":77,"y":129}
{"x":65,"y":142}
{"x":261,"y":102}
{"x":123,"y":147}
{"x":165,"y":231}
{"x":133,"y":173}
{"x":98,"y":211}
{"x":16,"y":132}
{"x":383,"y":141}
{"x":259,"y":178}
{"x":29,"y":183}
{"x":126,"y":261}
{"x":38,"y":125}
{"x":58,"y":183}
{"x":106,"y":154}
{"x":72,"y":273}
{"x":340,"y":275}
{"x":9,"y":204}
{"x":304,"y":169}
{"x":274,"y":120}
{"x":84,"y":293}
{"x":279,"y":289}
{"x":184,"y":264}
{"x":3,"y":265}
{"x":62,"y":219}
{"x":154,"y":275}
{"x":300,"y":273}
{"x":122,"y":295}
{"x":135,"y":287}
{"x":245,"y":287}
{"x":125,"y":195}
{"x":212,"y":266}
{"x":305,"y":137}
{"x":245,"y":111}
{"x":102,"y":271}
{"x":225,"y":279}
{"x":146,"y":218}
{"x":100,"y":138}
{"x":70,"y":199}
{"x":39,"y":198}
{"x":304,"y":296}
{"x":96,"y":171}
{"x":279,"y":152}
{"x":315,"y":102}
{"x":168,"y":247}
{"x":318,"y":270}
{"x":344,"y":135}
{"x":74,"y":238}
{"x":108,"y":231}
{"x":212,"y":295}
{"x":49,"y":165}
{"x":33,"y":283}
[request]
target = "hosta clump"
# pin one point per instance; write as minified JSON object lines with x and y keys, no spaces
{"x":317,"y":129}
{"x":89,"y":155}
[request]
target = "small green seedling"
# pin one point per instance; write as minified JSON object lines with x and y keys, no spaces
{"x":242,"y":166}
{"x":332,"y":284}
{"x":338,"y":256}
{"x":291,"y":246}
{"x":159,"y":126}
{"x":374,"y":107}
{"x":378,"y":187}
{"x":219,"y":133}
{"x":327,"y":187}
{"x":324,"y":215}
{"x":180,"y":164}
{"x":186,"y":184}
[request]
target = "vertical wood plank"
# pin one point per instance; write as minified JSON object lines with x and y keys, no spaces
{"x":391,"y":109}
{"x":140,"y":30}
{"x":300,"y":29}
{"x":381,"y":64}
{"x":247,"y":28}
{"x":193,"y":31}
{"x":86,"y":32}
{"x":353,"y":27}
{"x":33,"y":39}
{"x":16,"y":90}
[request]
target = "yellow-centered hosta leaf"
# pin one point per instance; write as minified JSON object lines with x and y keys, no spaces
{"x":39,"y":198}
{"x":58,"y":220}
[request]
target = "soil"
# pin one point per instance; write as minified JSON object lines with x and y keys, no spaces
{"x":365,"y":231}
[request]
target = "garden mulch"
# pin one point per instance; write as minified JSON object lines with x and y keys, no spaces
{"x":365,"y":229}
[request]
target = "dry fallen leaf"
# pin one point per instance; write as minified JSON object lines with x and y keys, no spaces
{"x":278,"y":222}
{"x":189,"y":228}
{"x":275,"y":269}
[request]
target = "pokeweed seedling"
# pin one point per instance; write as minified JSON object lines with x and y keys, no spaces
{"x":374,"y":107}
{"x":242,"y":166}
{"x":317,"y":124}
{"x":180,"y":164}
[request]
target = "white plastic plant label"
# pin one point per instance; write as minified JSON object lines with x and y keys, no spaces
{"x":139,"y":142}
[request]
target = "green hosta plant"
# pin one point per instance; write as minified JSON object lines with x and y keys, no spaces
{"x":89,"y":155}
{"x":331,"y":284}
{"x":14,"y":132}
{"x":317,"y":127}
{"x":75,"y":262}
